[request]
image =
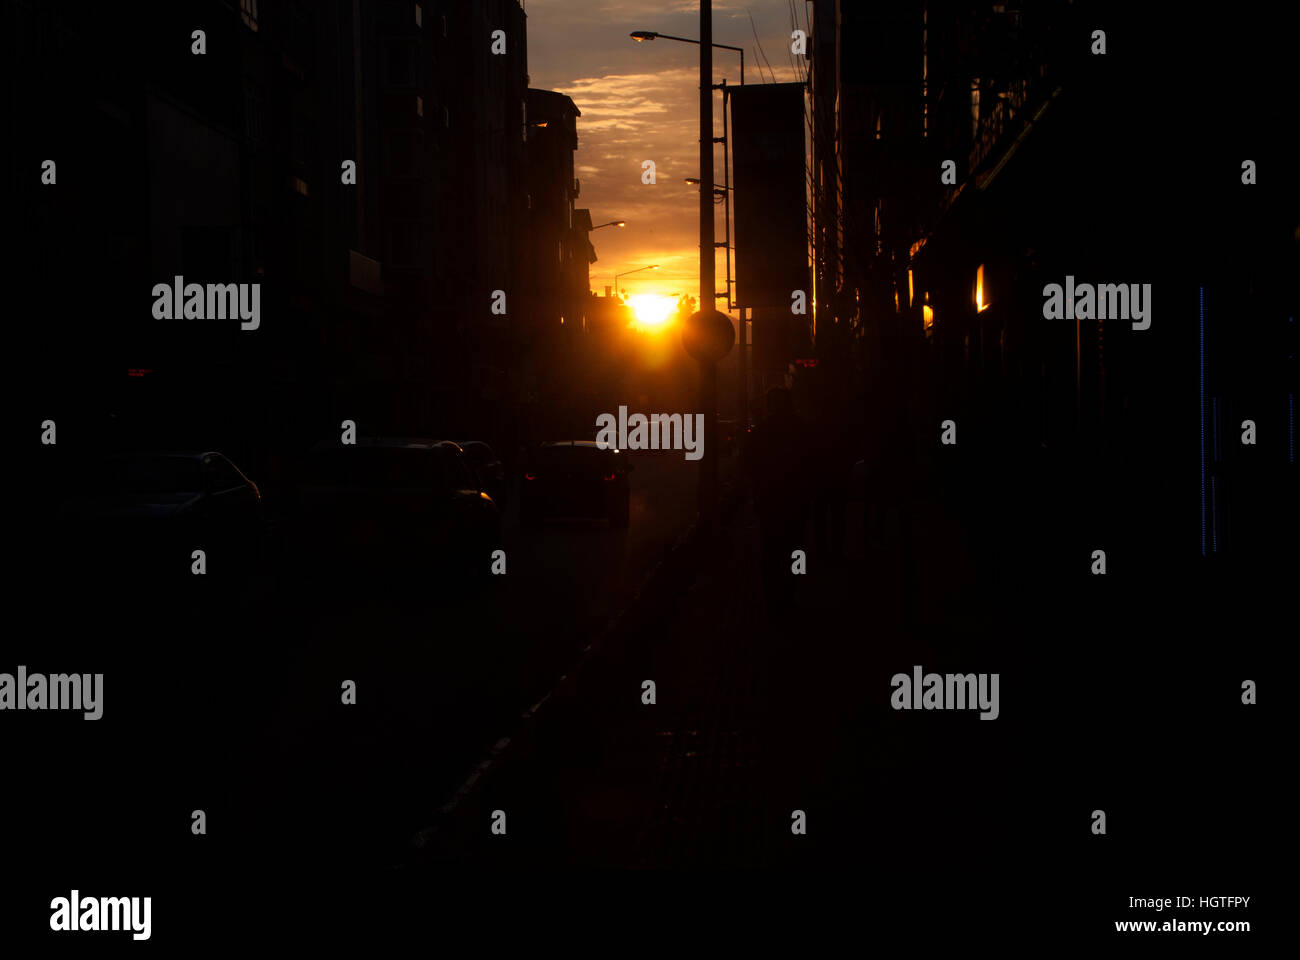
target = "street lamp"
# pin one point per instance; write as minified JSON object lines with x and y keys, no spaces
{"x":708,"y":196}
{"x":653,"y":266}
{"x":717,"y":191}
{"x":642,"y":35}
{"x":612,"y":223}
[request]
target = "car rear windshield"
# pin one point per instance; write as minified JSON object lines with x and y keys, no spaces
{"x":156,"y":475}
{"x":378,"y":467}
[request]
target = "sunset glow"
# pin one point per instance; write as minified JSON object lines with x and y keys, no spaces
{"x":652,"y":311}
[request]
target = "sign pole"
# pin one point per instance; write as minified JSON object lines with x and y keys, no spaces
{"x":708,"y":478}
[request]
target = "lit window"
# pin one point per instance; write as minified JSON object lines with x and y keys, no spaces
{"x":980,"y":303}
{"x":419,"y":106}
{"x":248,"y":13}
{"x":419,"y":16}
{"x":446,"y":117}
{"x":298,"y":185}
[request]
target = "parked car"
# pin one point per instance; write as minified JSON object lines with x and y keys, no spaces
{"x":488,"y":467}
{"x":146,"y":512}
{"x":394,"y":501}
{"x":576,"y":478}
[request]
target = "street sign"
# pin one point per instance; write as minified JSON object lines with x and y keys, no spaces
{"x":767,"y":131}
{"x":708,"y":335}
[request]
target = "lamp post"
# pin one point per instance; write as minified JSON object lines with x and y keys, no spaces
{"x":612,"y":223}
{"x":708,"y":315}
{"x":653,"y":266}
{"x":641,"y":35}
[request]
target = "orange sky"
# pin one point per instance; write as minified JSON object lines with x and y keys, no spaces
{"x":640,"y":101}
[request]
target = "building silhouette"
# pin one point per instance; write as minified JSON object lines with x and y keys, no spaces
{"x":229,"y":166}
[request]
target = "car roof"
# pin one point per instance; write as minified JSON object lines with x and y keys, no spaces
{"x":577,"y":445}
{"x":165,"y":455}
{"x":388,"y":443}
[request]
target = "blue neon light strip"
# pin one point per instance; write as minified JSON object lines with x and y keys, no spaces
{"x":1202,"y":421}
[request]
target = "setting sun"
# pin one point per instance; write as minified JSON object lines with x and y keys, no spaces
{"x":652,"y":311}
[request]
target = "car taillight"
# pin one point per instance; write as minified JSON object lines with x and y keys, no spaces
{"x":529,"y":476}
{"x":610,"y":477}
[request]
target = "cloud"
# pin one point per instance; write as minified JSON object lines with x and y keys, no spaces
{"x":640,"y":101}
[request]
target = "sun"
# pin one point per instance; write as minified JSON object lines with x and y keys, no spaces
{"x":652,"y":310}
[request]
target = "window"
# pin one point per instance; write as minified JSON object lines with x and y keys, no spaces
{"x":298,"y":185}
{"x":221,"y":473}
{"x":458,"y":470}
{"x":419,"y":106}
{"x":419,"y":16}
{"x":248,"y":13}
{"x":254,"y":125}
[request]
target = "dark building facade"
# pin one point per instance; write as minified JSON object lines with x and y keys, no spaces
{"x":559,"y":251}
{"x":235,"y":165}
{"x":966,"y":156}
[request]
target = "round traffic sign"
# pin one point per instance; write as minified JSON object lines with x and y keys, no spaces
{"x":708,"y":335}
